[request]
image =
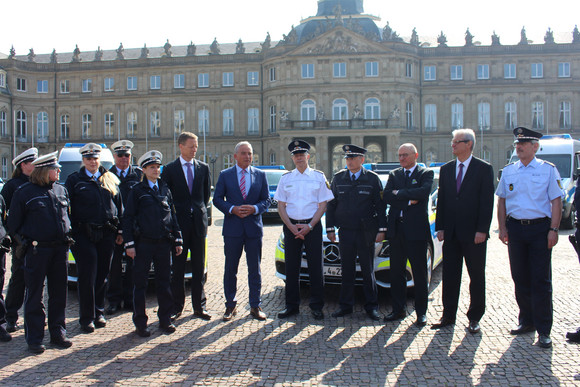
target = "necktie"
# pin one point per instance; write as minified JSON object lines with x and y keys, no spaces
{"x":155,"y":189}
{"x":93,"y":178}
{"x":353,"y":177}
{"x":459,"y":177}
{"x":122,"y":174}
{"x":243,"y":184}
{"x":407,"y":175}
{"x":189,"y":177}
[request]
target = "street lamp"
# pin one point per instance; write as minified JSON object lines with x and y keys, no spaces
{"x":212,"y":159}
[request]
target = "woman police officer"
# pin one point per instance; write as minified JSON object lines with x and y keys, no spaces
{"x":39,"y":218}
{"x":95,"y":209}
{"x":150,"y":229}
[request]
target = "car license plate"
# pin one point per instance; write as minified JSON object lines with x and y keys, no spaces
{"x":272,"y":210}
{"x":333,"y":271}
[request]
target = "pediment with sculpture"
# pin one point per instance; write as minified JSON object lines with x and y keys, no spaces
{"x":338,"y":41}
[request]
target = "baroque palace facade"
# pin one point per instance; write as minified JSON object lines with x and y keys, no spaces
{"x":336,"y":78}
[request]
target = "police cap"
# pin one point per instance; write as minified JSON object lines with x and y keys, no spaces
{"x":49,"y":160}
{"x":298,"y":146}
{"x":91,"y":150}
{"x":524,"y":134}
{"x":151,"y":157}
{"x":28,"y":155}
{"x":122,"y":147}
{"x":353,"y":151}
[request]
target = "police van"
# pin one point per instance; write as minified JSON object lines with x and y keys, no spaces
{"x":71,"y":160}
{"x":561,"y":150}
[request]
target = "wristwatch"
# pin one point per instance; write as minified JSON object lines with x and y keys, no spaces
{"x":554,"y":229}
{"x":309,"y":226}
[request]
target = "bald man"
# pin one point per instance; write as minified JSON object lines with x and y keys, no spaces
{"x":407,"y":192}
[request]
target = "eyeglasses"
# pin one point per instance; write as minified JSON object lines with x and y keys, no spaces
{"x":458,"y":142}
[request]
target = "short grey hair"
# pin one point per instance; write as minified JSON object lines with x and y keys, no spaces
{"x":468,"y":134}
{"x":410,"y":146}
{"x":239,"y":144}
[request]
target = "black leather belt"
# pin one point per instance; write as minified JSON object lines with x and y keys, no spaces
{"x":527,"y":222}
{"x":303,"y":221}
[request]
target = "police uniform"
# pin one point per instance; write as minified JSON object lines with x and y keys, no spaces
{"x":94,"y":215}
{"x":120,"y":284}
{"x":15,"y":292}
{"x":302,"y":192}
{"x":150,"y":226}
{"x":528,"y":191}
{"x":359,"y":213}
{"x":4,"y":248}
{"x":39,"y":219}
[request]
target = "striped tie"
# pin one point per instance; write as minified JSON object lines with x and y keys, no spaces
{"x":243,"y":184}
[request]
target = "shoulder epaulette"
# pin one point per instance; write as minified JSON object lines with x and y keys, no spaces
{"x":316,"y":170}
{"x":513,"y":162}
{"x":287,"y":173}
{"x":550,"y":163}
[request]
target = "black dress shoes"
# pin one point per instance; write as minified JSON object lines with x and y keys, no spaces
{"x":394,"y":316}
{"x":258,"y":314}
{"x":143,"y":332}
{"x":288,"y":312}
{"x":473,"y":327}
{"x":374,"y":315}
{"x":317,"y":314}
{"x":544,"y":341}
{"x":11,"y":326}
{"x":36,"y":349}
{"x":169,"y":329}
{"x":421,"y":320}
{"x":574,"y":336}
{"x":5,"y":336}
{"x":61,"y":342}
{"x":88,"y":328}
{"x":231,"y":311}
{"x":342,"y":313}
{"x":175,"y":316}
{"x":100,"y":322}
{"x":522,"y":329}
{"x":112,"y":309}
{"x":443,"y":323}
{"x":202,"y":314}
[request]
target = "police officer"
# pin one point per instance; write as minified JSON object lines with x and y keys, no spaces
{"x":39,"y":218}
{"x":359,"y":213}
{"x":574,"y":239}
{"x":23,"y":167}
{"x":150,"y":231}
{"x":4,"y":248}
{"x":96,"y":206}
{"x":302,"y":196}
{"x":120,"y":285}
{"x":528,"y":211}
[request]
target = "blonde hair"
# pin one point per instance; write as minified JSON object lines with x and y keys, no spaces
{"x":110,"y":182}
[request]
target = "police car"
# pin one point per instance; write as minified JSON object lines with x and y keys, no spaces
{"x":331,"y":254}
{"x":71,"y":161}
{"x":561,"y":150}
{"x":273,"y":175}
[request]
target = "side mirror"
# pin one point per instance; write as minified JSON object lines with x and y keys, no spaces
{"x":499,"y":174}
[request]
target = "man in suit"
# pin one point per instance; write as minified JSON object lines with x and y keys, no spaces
{"x":464,"y":212}
{"x":189,"y":182}
{"x":242,"y":194}
{"x":120,"y":285}
{"x":407,"y":193}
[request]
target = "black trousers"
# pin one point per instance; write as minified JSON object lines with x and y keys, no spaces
{"x":93,"y":260}
{"x":15,"y":292}
{"x":454,"y":251}
{"x":531,"y":267}
{"x":2,"y":303}
{"x":41,"y":263}
{"x":196,"y":245}
{"x":416,"y":252}
{"x":361,"y":242}
{"x":293,"y":255}
{"x":119,"y":284}
{"x":160,"y":255}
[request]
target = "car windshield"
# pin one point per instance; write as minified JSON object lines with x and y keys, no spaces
{"x":274,"y":176}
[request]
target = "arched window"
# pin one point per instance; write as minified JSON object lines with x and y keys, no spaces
{"x":228,"y":122}
{"x":131,"y":124}
{"x":430,"y":157}
{"x":307,"y":110}
{"x":65,"y":126}
{"x":203,"y":121}
{"x":42,"y":126}
{"x":339,"y":109}
{"x":228,"y":161}
{"x":486,"y":154}
{"x":155,"y":126}
{"x":86,"y":123}
{"x":338,"y":160}
{"x":372,"y":109}
{"x":374,"y":153}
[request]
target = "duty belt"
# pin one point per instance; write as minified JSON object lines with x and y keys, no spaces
{"x":302,"y":221}
{"x":527,"y":222}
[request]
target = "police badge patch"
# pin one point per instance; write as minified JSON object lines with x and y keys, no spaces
{"x":560,"y":183}
{"x":511,"y":187}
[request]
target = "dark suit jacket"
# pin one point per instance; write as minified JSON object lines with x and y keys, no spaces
{"x":191,"y":208}
{"x":461,"y":215}
{"x":415,"y":217}
{"x":227,"y":194}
